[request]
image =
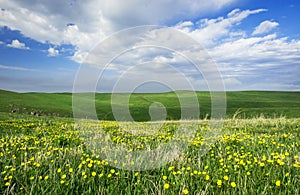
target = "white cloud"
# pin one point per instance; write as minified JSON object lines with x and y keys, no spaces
{"x":53,"y":52}
{"x":17,"y":44}
{"x":93,"y":20}
{"x":209,"y":31}
{"x":1,"y":43}
{"x":265,"y":27}
{"x":15,"y":68}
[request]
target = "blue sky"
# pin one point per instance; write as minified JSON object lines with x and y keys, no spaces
{"x":254,"y":43}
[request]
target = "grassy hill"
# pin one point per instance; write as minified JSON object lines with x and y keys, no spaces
{"x":242,"y":104}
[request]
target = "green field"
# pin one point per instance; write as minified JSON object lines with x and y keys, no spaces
{"x":47,"y":155}
{"x":255,"y":152}
{"x":246,"y":104}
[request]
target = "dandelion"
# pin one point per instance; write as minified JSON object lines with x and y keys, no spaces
{"x":226,"y":177}
{"x":94,"y":174}
{"x":112,"y":171}
{"x":62,"y":181}
{"x":90,"y":165}
{"x":7,"y":184}
{"x":59,"y":170}
{"x":207,"y":177}
{"x":278,"y":183}
{"x":166,"y":186}
{"x":63,"y":176}
{"x":31,"y":178}
{"x":70,"y":170}
{"x":46,"y":177}
{"x":136,"y":174}
{"x":165,"y":177}
{"x":219,"y":182}
{"x":233,"y":184}
{"x":185,"y":191}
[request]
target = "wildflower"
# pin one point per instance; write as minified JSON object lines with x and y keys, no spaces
{"x":207,"y":177}
{"x":185,"y":191}
{"x":31,"y":178}
{"x":277,"y":183}
{"x":166,"y":186}
{"x":165,"y":177}
{"x":70,"y":170}
{"x":63,"y":176}
{"x":7,"y":184}
{"x":233,"y":184}
{"x":46,"y":177}
{"x":94,"y":174}
{"x":219,"y":182}
{"x":226,"y":177}
{"x":62,"y":181}
{"x":136,"y":174}
{"x":59,"y":170}
{"x":112,"y":171}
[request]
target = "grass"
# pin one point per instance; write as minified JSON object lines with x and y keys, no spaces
{"x":245,"y":104}
{"x":54,"y":155}
{"x":48,"y":155}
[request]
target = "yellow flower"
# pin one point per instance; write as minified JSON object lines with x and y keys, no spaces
{"x":83,"y":173}
{"x":46,"y":177}
{"x":7,"y":184}
{"x":226,"y":177}
{"x":90,"y":165}
{"x":112,"y":171}
{"x":185,"y":191}
{"x":136,"y":174}
{"x":62,"y":181}
{"x":233,"y":184}
{"x":31,"y":178}
{"x":63,"y":176}
{"x":248,"y":173}
{"x":166,"y":186}
{"x":207,"y":177}
{"x":277,"y":183}
{"x":94,"y":174}
{"x":165,"y":177}
{"x":59,"y":170}
{"x":219,"y":182}
{"x":70,"y":170}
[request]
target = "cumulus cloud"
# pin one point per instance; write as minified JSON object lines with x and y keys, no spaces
{"x":53,"y":52}
{"x":209,"y":31}
{"x":265,"y":27}
{"x":17,"y":44}
{"x":93,"y":20}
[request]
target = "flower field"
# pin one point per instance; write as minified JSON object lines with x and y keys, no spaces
{"x":49,"y":156}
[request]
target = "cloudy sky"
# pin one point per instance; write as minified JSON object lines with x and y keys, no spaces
{"x":252,"y":44}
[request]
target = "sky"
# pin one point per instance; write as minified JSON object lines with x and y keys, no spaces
{"x":45,"y":46}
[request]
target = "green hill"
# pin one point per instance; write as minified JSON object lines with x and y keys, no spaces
{"x":242,"y":104}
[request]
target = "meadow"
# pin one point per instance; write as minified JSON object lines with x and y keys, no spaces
{"x":251,"y":155}
{"x":47,"y":155}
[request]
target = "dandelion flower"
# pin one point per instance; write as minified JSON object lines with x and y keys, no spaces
{"x":94,"y":174}
{"x":166,"y":186}
{"x":165,"y":177}
{"x":226,"y":177}
{"x":59,"y":170}
{"x":219,"y":182}
{"x":233,"y":184}
{"x":185,"y":191}
{"x":70,"y":170}
{"x":278,"y":183}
